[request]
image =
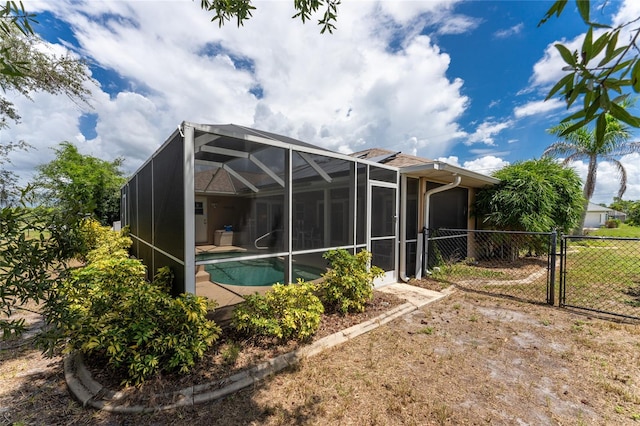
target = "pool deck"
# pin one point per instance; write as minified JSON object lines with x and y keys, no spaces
{"x":210,"y":248}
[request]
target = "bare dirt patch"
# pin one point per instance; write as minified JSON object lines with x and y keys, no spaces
{"x":466,"y":359}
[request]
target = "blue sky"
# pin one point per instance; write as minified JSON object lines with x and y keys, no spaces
{"x":460,"y":81}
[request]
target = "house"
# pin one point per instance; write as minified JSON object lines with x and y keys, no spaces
{"x":598,"y":215}
{"x":233,"y":210}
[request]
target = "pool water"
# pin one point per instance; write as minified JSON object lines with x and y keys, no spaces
{"x":258,"y":272}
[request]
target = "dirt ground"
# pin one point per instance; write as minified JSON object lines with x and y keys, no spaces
{"x":467,"y":359}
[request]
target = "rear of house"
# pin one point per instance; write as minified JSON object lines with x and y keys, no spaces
{"x":233,"y":210}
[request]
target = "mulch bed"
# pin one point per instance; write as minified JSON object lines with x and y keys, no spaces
{"x":229,"y":355}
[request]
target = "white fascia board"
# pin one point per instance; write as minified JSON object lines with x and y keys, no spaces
{"x":438,"y":165}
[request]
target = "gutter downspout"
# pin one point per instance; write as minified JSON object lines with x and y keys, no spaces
{"x":427,"y":201}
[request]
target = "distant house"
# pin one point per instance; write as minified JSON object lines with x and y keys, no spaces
{"x":598,"y":215}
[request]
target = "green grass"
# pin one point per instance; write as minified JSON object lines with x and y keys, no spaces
{"x":624,"y":231}
{"x":604,"y":276}
{"x":460,"y":270}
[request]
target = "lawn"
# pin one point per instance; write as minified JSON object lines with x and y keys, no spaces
{"x":600,"y":274}
{"x":524,"y":278}
{"x":466,"y":359}
{"x":604,"y":275}
{"x":624,"y":231}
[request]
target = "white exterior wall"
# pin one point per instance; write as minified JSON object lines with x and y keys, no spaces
{"x":595,"y":219}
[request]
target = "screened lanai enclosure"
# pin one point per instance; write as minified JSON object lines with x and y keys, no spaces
{"x":232,"y":210}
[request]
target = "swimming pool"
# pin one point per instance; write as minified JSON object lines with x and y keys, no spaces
{"x":258,"y":272}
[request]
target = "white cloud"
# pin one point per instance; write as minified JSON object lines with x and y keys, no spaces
{"x":607,"y":179}
{"x":628,"y":11}
{"x":548,"y":70}
{"x":486,"y":132}
{"x":537,"y":107}
{"x":458,"y":24}
{"x":485,"y":165}
{"x":452,"y":159}
{"x":345,"y":91}
{"x":509,"y":32}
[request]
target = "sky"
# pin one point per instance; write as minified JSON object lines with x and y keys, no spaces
{"x":458,"y":81}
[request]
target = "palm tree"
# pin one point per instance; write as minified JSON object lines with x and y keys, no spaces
{"x":582,"y":144}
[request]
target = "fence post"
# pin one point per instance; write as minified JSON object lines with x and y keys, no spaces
{"x":552,"y":265}
{"x":563,"y":264}
{"x":425,"y":250}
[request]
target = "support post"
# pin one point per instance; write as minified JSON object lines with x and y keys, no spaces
{"x":551,"y":292}
{"x":425,"y":251}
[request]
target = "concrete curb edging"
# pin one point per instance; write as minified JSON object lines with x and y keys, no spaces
{"x":91,"y":393}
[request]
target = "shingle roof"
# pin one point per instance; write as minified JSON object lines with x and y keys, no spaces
{"x":391,"y":158}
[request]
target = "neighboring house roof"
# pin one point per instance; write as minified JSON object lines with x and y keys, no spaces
{"x":592,"y":207}
{"x":437,"y":171}
{"x":596,"y":208}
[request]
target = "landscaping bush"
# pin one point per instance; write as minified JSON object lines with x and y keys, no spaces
{"x":612,"y":223}
{"x":110,"y":310}
{"x":348,"y":285}
{"x":285,"y":312}
{"x":35,"y":244}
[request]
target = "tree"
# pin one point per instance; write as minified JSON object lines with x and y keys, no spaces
{"x":9,"y":192}
{"x":630,"y":208}
{"x":534,"y":195}
{"x":241,"y":10}
{"x":28,"y":66}
{"x":34,"y":247}
{"x":601,"y":74}
{"x":583,"y":144}
{"x":81,"y":184}
{"x":13,"y":17}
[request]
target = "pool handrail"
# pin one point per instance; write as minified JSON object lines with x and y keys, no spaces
{"x":255,"y":243}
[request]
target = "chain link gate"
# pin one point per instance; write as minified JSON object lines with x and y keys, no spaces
{"x":506,"y":263}
{"x":600,"y":274}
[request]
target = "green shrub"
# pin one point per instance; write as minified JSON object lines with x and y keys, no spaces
{"x":34,"y":246}
{"x":612,"y":223}
{"x":285,"y":311}
{"x":111,"y":310}
{"x":348,"y":285}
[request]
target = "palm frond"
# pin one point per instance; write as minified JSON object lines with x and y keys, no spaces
{"x":622,"y":175}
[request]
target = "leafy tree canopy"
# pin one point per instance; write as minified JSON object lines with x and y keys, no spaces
{"x":601,"y":74}
{"x":81,"y":184}
{"x":241,"y":10}
{"x":582,"y":144}
{"x":534,"y":195}
{"x":631,"y":208}
{"x":27,"y":65}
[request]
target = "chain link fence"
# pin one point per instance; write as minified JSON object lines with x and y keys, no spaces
{"x":601,"y":274}
{"x":514,"y":264}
